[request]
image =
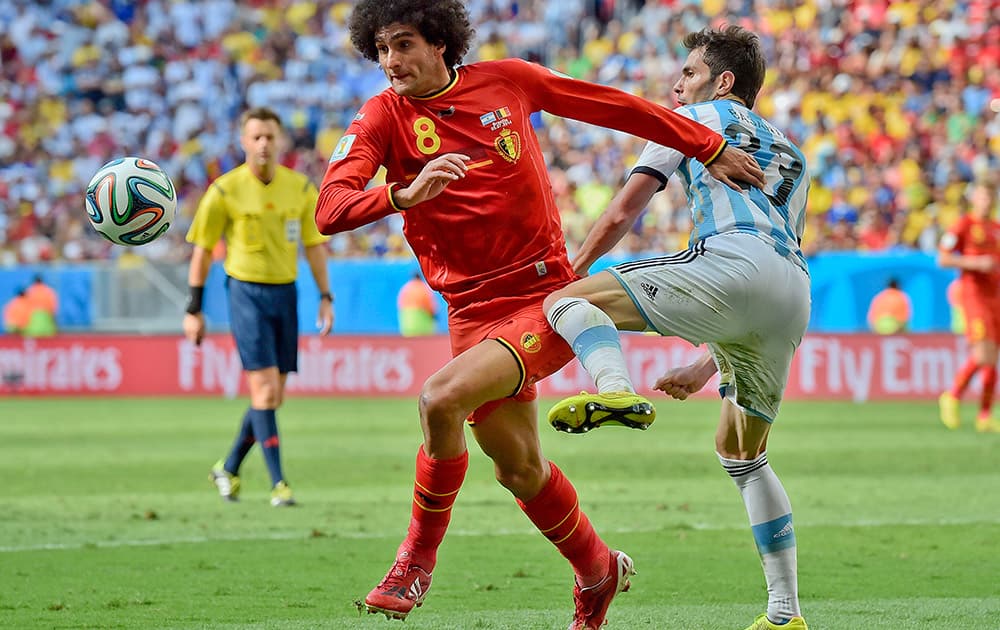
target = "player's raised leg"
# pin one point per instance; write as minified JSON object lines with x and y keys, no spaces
{"x":509,"y":435}
{"x":741,"y":445}
{"x":590,"y":325}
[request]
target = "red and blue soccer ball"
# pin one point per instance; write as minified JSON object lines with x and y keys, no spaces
{"x":131,"y":201}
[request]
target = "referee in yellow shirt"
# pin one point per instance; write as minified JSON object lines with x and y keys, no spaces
{"x":264,"y":211}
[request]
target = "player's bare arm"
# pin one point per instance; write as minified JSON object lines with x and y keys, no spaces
{"x":194,"y":323}
{"x":966,"y":262}
{"x":681,"y":382}
{"x":316,"y":257}
{"x":733,"y":166}
{"x":616,"y":220}
{"x":432,"y":180}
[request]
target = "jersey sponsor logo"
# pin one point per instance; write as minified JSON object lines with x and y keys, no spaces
{"x":343,"y":147}
{"x":508,"y":144}
{"x":649,"y":290}
{"x":531,"y":342}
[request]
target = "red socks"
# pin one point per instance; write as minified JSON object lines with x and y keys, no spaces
{"x":434,"y":492}
{"x":555,"y":511}
{"x":965,"y":374}
{"x":989,"y":384}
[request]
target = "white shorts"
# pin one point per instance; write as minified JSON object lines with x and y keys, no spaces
{"x":736,"y":294}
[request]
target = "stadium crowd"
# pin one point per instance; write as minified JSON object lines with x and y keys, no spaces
{"x":896,"y":104}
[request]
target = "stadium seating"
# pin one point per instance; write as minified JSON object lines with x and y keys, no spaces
{"x":897,"y":105}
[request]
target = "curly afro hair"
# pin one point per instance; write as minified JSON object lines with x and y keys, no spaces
{"x":438,"y":21}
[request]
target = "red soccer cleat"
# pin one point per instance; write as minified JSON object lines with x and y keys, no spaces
{"x":401,"y":590}
{"x":592,"y":602}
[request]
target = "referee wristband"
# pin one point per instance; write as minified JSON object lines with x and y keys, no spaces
{"x":194,"y":300}
{"x":326,"y":296}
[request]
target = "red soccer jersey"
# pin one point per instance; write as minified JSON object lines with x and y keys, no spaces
{"x":497,"y":231}
{"x":970,"y":236}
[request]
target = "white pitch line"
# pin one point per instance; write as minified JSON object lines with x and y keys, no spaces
{"x":670,"y":527}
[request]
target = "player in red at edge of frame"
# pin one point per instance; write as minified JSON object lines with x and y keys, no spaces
{"x":465,"y":170}
{"x":972,"y":245}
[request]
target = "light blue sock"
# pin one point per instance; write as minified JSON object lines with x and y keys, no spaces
{"x":595,"y":341}
{"x":770,"y":514}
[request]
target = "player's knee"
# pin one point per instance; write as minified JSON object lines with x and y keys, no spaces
{"x":557,"y":303}
{"x":440,"y":404}
{"x":265,"y":396}
{"x":524,"y":479}
{"x":732,"y":447}
{"x":550,"y":301}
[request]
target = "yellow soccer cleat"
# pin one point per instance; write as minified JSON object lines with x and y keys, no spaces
{"x":225,"y":482}
{"x":762,"y":623}
{"x":582,"y":413}
{"x":281,"y":495}
{"x":948,"y":406}
{"x":987,"y":424}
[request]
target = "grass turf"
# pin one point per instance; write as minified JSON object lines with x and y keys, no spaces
{"x":109,"y":520}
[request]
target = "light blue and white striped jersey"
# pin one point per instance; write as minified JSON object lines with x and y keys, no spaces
{"x":776,"y":214}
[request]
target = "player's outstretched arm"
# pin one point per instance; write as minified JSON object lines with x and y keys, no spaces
{"x":616,"y":220}
{"x":733,"y":165}
{"x":433,"y":178}
{"x":681,"y":382}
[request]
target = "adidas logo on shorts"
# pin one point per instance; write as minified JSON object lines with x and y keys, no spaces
{"x":649,"y":290}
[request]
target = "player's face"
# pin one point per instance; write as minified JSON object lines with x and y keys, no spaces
{"x":981,"y":201}
{"x":696,"y":84}
{"x":260,"y":142}
{"x":413,"y":66}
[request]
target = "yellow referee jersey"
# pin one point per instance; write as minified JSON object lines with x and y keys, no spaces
{"x":263,"y":224}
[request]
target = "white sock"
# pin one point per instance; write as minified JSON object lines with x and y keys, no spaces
{"x":594,"y":339}
{"x":770,"y":515}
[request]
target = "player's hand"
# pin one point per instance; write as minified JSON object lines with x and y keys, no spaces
{"x":735,"y":165}
{"x":194,"y":327}
{"x":433,"y":178}
{"x":681,"y":382}
{"x":325,"y":318}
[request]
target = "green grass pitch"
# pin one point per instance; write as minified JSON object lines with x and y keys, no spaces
{"x":108,"y":520}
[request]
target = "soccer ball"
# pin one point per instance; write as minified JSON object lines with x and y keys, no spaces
{"x":131,"y":201}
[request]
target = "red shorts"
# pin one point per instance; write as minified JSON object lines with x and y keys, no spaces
{"x":520,"y":325}
{"x":982,"y":319}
